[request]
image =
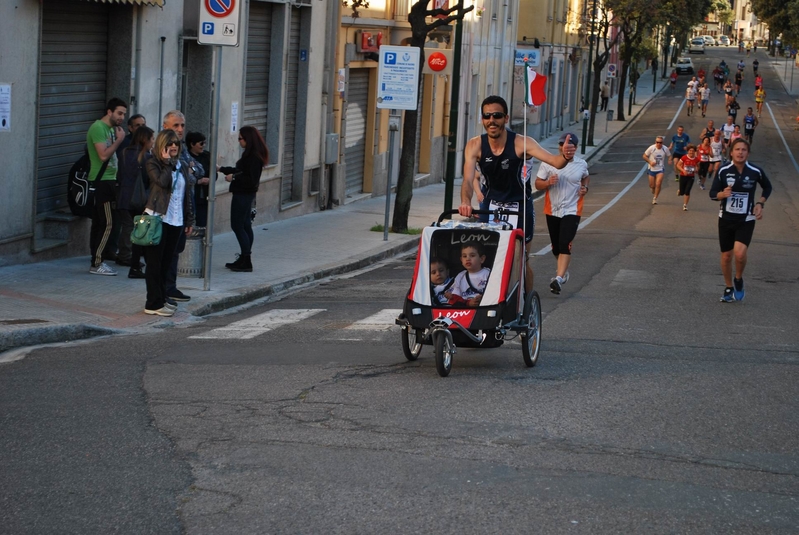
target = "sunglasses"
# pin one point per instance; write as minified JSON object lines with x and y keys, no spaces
{"x":495,"y":115}
{"x":241,"y":139}
{"x":173,"y":144}
{"x":659,"y":142}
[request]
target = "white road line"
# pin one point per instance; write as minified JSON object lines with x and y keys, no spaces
{"x":779,"y":131}
{"x":257,"y":325}
{"x":381,"y":321}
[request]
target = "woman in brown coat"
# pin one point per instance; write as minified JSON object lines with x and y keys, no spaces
{"x":170,"y":198}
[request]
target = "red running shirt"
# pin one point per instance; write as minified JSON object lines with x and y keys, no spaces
{"x":689,"y":165}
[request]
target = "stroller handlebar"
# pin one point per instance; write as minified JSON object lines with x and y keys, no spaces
{"x":497,"y":212}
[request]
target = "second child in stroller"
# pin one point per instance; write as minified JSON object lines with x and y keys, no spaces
{"x":440,"y":281}
{"x":470,"y":284}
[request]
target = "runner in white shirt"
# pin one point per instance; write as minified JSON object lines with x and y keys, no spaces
{"x":704,"y":96}
{"x":716,"y":150}
{"x":690,"y":96}
{"x":727,"y":129}
{"x":563,"y":206}
{"x":656,"y":157}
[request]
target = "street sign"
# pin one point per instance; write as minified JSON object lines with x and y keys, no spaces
{"x":398,"y":77}
{"x":532,"y":55}
{"x":612,"y":70}
{"x":219,"y":22}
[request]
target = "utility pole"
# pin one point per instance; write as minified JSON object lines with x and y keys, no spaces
{"x":452,"y":141}
{"x":587,"y":99}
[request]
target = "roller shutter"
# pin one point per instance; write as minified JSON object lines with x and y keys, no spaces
{"x":256,"y":90}
{"x":289,"y":125}
{"x":355,"y":140}
{"x":72,"y":91}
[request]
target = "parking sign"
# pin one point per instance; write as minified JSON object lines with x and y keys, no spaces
{"x":398,"y":77}
{"x":219,"y":22}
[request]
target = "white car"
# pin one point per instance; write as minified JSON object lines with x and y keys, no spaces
{"x":724,"y":40}
{"x":684,"y":66}
{"x":709,"y":41}
{"x":697,"y":46}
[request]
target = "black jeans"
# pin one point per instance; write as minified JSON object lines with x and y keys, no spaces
{"x":241,"y":221}
{"x":103,"y":220}
{"x":159,"y":259}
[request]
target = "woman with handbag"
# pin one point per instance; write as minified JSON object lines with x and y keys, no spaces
{"x":244,"y":180}
{"x":133,"y":186}
{"x":169,"y":204}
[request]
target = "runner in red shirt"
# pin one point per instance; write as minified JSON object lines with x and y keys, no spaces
{"x":687,"y":165}
{"x":704,"y":151}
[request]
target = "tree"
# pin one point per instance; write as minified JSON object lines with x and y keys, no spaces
{"x":604,"y":24}
{"x":420,"y":28}
{"x":782,"y":17}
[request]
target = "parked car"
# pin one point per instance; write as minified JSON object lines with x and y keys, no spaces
{"x":724,"y":40}
{"x":697,"y":46}
{"x":684,"y":66}
{"x":709,"y":41}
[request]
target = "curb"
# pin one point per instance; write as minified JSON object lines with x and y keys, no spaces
{"x":257,"y":292}
{"x":51,"y":334}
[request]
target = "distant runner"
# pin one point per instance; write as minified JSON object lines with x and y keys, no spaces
{"x":656,"y":157}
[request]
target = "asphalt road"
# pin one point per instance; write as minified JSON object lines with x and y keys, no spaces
{"x":654,"y":408}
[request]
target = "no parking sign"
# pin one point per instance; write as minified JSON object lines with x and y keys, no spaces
{"x":612,"y":70}
{"x":219,"y":22}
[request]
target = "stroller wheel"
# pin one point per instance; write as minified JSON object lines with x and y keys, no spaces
{"x":411,"y":343}
{"x":531,"y":337}
{"x":444,"y":349}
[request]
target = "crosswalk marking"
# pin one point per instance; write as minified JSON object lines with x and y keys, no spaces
{"x":257,"y":325}
{"x":381,"y":321}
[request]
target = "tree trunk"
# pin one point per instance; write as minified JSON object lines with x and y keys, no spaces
{"x":599,"y":64}
{"x":402,"y":202}
{"x":625,"y":66}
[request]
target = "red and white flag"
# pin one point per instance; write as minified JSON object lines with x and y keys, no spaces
{"x":536,"y":94}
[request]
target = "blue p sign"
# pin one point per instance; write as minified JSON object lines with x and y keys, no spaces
{"x":208,"y":28}
{"x":391,"y":58}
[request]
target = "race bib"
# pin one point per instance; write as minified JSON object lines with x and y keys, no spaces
{"x":512,"y":206}
{"x":738,"y":203}
{"x":689,"y":169}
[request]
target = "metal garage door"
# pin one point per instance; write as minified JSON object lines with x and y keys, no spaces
{"x":289,"y":125}
{"x":256,"y":90}
{"x":72,"y":91}
{"x":355,"y":141}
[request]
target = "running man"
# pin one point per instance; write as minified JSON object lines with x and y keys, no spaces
{"x":755,"y":64}
{"x":690,"y":96}
{"x":718,"y":78}
{"x":727,"y":129}
{"x":656,"y":157}
{"x":687,"y":165}
{"x":732,"y":109}
{"x":739,"y":78}
{"x":728,"y":96}
{"x":716,"y":152}
{"x":704,"y":96}
{"x":709,"y":131}
{"x":734,"y":187}
{"x":501,"y":156}
{"x":750,"y":123}
{"x":677,"y":148}
{"x":760,"y":98}
{"x":563,"y":206}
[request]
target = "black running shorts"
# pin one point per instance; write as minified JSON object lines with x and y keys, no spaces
{"x":734,"y":231}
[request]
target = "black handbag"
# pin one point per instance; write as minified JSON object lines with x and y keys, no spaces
{"x":138,"y":200}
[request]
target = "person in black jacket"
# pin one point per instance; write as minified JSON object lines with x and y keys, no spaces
{"x":244,"y":179}
{"x":195,"y":141}
{"x":131,"y":169}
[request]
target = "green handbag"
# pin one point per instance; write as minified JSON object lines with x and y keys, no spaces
{"x":146,"y":230}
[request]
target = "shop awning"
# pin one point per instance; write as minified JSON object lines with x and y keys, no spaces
{"x":159,"y":3}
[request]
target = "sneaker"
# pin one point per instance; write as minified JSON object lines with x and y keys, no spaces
{"x":177,"y":295}
{"x":654,"y":200}
{"x":163,"y":311}
{"x":102,"y":269}
{"x":565,"y":278}
{"x":728,"y":296}
{"x":135,"y":274}
{"x":684,"y":207}
{"x":171,"y":305}
{"x":738,"y":289}
{"x":701,"y":186}
{"x":555,"y":285}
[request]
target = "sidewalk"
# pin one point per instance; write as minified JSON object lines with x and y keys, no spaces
{"x":786,"y":70}
{"x":60,"y":301}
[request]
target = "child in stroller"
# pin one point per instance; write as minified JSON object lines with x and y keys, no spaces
{"x":470,"y":284}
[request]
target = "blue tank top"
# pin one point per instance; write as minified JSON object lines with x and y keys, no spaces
{"x":502,"y":173}
{"x":749,"y":122}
